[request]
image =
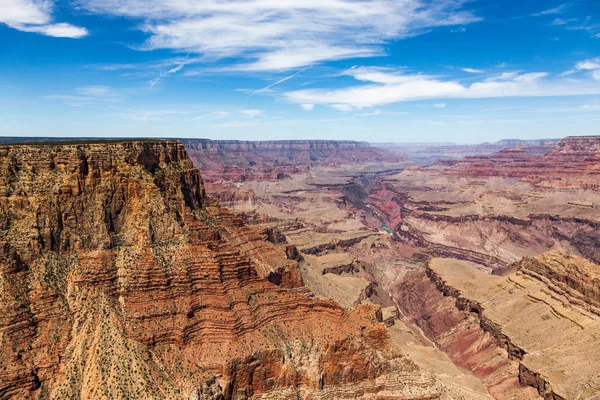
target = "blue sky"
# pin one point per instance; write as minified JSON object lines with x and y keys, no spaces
{"x":376,"y":70}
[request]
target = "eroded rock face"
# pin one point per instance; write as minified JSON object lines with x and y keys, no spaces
{"x":576,"y":275}
{"x":537,"y":320}
{"x":239,"y":161}
{"x":121,"y":279}
{"x":573,"y":163}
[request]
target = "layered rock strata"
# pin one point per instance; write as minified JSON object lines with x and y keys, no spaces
{"x":575,"y":162}
{"x":121,"y":279}
{"x":239,"y":161}
{"x":546,"y":331}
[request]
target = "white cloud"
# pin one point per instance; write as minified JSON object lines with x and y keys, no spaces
{"x":252,"y":113}
{"x":552,"y":11}
{"x":589,"y":64}
{"x":440,"y":105}
{"x":276,"y":35}
{"x":597,"y":36}
{"x":472,"y":70}
{"x":36,"y":16}
{"x":387,"y":87}
{"x":342,"y":107}
{"x":307,"y":107}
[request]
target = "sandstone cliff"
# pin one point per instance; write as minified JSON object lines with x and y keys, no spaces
{"x":120,"y":279}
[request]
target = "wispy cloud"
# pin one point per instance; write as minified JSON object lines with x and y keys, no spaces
{"x":165,"y":74}
{"x":252,"y":113}
{"x":551,"y":11}
{"x":36,"y":16}
{"x":279,"y":35}
{"x":87,"y":95}
{"x":94,"y":90}
{"x":280,"y":81}
{"x":387,"y":87}
{"x":307,"y":107}
{"x":440,"y":105}
{"x":72,"y":100}
{"x":472,"y":70}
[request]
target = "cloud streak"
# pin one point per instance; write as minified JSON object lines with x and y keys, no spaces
{"x":263,"y":35}
{"x":287,"y":78}
{"x":552,"y":11}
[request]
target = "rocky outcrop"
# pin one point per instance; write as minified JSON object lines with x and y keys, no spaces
{"x":121,"y":279}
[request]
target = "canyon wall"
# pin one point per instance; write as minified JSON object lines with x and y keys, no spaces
{"x":121,"y":279}
{"x":575,"y":162}
{"x":231,"y":160}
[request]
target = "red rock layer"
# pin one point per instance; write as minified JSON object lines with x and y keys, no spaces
{"x":574,"y":162}
{"x":120,"y":279}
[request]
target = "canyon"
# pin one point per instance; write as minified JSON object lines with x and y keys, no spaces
{"x":209,"y":269}
{"x":369,"y":236}
{"x":122,"y":279}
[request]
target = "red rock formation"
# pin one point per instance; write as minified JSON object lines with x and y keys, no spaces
{"x":121,"y":279}
{"x":574,"y":162}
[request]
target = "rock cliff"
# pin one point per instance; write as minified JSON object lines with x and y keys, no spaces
{"x":120,"y":279}
{"x":575,"y":162}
